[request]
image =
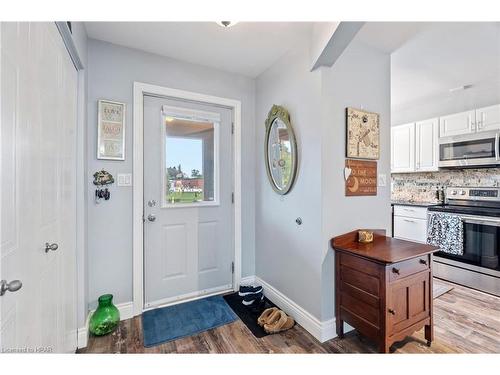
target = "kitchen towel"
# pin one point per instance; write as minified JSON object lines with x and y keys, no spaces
{"x":446,"y":231}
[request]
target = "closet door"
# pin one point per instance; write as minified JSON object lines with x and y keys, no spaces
{"x":38,"y":134}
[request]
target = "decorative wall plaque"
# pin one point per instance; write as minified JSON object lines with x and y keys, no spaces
{"x":111,"y":130}
{"x":363,"y":134}
{"x":362,"y":178}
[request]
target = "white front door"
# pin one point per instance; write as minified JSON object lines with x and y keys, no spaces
{"x":38,"y":169}
{"x":188,"y":209}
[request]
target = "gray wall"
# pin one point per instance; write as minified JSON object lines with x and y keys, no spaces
{"x":112,"y":71}
{"x":288,"y":256}
{"x":297,"y":260}
{"x":360,"y":78}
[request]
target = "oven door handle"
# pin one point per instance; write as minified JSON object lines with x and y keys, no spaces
{"x":481,"y":220}
{"x":497,"y":146}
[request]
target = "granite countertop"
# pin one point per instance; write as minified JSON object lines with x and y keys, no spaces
{"x":414,"y":203}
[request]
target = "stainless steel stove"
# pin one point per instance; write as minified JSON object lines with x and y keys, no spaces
{"x":479,"y":266}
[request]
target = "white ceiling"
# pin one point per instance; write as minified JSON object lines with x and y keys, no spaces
{"x":247,"y":48}
{"x":443,"y":56}
{"x":430,"y":58}
{"x":389,"y":36}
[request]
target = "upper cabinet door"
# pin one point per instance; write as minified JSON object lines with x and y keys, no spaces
{"x":488,"y":118}
{"x":457,"y":124}
{"x":403,"y":148}
{"x":426,"y":146}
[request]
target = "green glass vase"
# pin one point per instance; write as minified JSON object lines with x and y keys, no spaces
{"x":106,"y":318}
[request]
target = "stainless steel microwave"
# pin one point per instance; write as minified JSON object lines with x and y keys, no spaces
{"x":466,"y":151}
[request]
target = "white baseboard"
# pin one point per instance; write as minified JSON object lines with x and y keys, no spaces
{"x":321,"y":330}
{"x":126,"y":312}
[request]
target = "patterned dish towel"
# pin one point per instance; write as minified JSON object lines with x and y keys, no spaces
{"x":447,"y":232}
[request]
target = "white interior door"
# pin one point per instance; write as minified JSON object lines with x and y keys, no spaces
{"x":188,"y":210}
{"x":38,"y":122}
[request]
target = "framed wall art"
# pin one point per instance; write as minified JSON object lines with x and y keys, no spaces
{"x":363,"y":134}
{"x":111,"y":130}
{"x":361,"y":177}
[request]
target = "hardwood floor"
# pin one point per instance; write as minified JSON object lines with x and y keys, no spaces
{"x":466,"y":321}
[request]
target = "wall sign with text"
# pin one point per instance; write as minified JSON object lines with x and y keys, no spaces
{"x":361,"y":177}
{"x":111,"y":130}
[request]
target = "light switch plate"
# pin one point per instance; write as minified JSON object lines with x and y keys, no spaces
{"x":124,"y":179}
{"x":382,"y":180}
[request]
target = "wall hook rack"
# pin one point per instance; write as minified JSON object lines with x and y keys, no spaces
{"x":102,"y":179}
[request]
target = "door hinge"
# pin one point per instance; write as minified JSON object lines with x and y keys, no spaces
{"x":232,"y":267}
{"x":232,"y":128}
{"x":232,"y":198}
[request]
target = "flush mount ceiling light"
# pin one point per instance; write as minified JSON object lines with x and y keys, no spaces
{"x":226,"y":24}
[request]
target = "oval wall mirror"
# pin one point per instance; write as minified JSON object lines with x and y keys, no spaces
{"x":280,"y":150}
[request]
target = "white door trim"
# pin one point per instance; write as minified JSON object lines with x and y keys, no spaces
{"x":140,"y":89}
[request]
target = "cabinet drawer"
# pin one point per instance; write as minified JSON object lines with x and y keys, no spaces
{"x":408,"y":267}
{"x":410,"y":229}
{"x":410,"y":211}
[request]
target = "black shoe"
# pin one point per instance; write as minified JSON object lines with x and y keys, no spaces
{"x":252,"y":299}
{"x":246,"y":290}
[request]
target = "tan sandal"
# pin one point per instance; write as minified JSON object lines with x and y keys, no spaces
{"x":283,"y":323}
{"x":266,"y":315}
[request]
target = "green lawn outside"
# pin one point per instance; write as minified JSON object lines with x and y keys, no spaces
{"x":184,"y":197}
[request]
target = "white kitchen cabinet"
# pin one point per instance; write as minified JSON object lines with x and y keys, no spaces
{"x":403,"y":148}
{"x":410,"y":223}
{"x":426,"y":145}
{"x":488,"y":118}
{"x":457,"y":124}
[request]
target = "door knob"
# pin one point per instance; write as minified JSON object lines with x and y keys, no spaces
{"x":13,"y":286}
{"x":49,"y":247}
{"x":151,"y":217}
{"x":391,"y":311}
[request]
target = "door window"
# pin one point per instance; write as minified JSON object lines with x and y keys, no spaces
{"x":190,"y":172}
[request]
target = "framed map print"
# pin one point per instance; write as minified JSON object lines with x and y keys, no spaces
{"x":363,"y":134}
{"x":111,"y":130}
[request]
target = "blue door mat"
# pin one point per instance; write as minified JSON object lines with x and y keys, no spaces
{"x":186,"y":319}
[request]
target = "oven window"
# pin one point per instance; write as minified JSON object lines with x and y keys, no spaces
{"x":478,"y":149}
{"x":481,"y":245}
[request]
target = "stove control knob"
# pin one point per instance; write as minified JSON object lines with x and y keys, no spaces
{"x":453,"y":192}
{"x":462,"y":192}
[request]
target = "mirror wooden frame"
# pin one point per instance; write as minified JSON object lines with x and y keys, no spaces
{"x":279,"y":112}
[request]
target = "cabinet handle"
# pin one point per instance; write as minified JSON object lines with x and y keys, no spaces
{"x":395,"y":270}
{"x":423,"y":261}
{"x":409,"y":221}
{"x":391,"y":311}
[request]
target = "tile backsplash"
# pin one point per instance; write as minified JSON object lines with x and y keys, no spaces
{"x":421,"y":187}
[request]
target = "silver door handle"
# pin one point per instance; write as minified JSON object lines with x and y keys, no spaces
{"x":409,"y":221}
{"x":51,"y":246}
{"x":13,"y":286}
{"x":151,"y":217}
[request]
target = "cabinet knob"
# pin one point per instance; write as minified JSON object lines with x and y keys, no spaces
{"x":423,"y":261}
{"x":391,"y":311}
{"x":395,"y":270}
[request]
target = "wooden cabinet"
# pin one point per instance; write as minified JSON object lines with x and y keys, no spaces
{"x":457,"y":124}
{"x":383,"y":289}
{"x":403,"y":148}
{"x":426,"y":145}
{"x":488,"y":118}
{"x":410,"y":223}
